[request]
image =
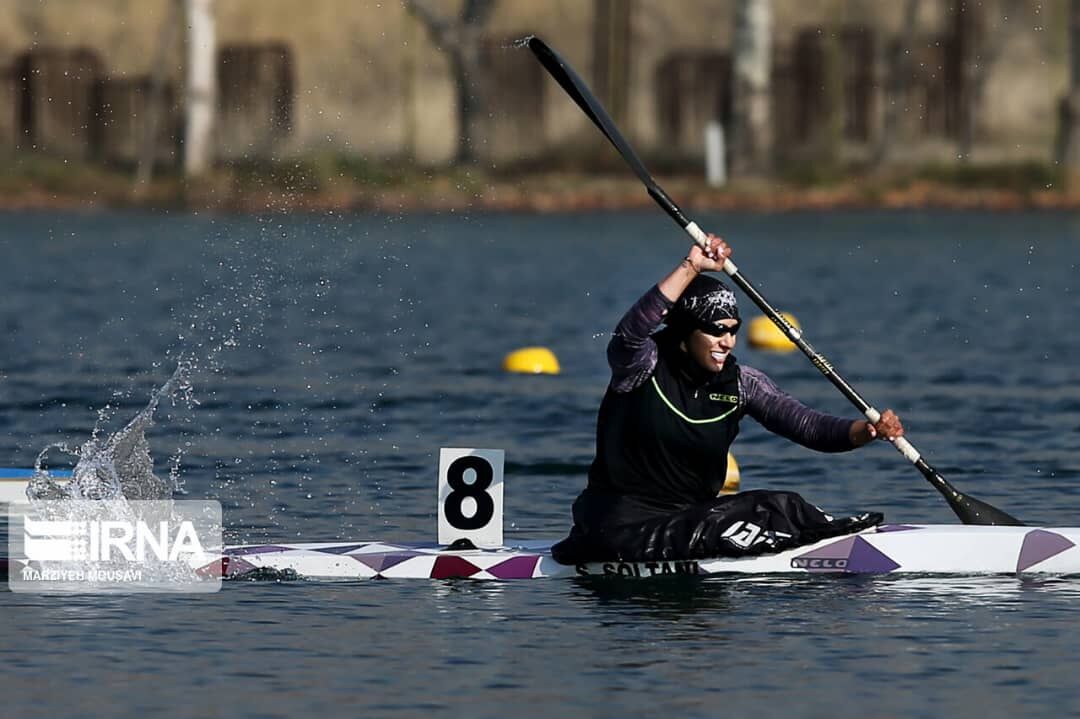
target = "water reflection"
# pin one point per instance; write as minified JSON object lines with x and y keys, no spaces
{"x":658,"y":597}
{"x":486,"y":598}
{"x":975,"y":590}
{"x":677,"y":598}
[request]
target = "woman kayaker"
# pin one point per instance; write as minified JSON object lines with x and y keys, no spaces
{"x":667,"y":420}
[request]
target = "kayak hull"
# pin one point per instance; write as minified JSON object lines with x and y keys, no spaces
{"x":889,"y":549}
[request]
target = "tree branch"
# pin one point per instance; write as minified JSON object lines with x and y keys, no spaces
{"x":477,"y":12}
{"x":440,"y":27}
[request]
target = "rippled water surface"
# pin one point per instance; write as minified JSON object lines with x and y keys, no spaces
{"x":334,"y":356}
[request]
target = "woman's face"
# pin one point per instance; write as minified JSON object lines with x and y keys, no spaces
{"x":711,"y":349}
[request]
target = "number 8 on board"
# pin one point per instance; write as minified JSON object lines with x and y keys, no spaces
{"x":471,"y":496}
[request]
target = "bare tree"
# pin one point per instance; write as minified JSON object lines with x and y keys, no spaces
{"x":1069,"y":143}
{"x":201,"y":87}
{"x":31,"y":19}
{"x":611,"y":55}
{"x":151,"y":121}
{"x":978,"y":47}
{"x":899,"y":68}
{"x":751,"y":141}
{"x":461,"y":39}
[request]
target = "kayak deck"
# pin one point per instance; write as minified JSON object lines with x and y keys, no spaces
{"x":894,"y":548}
{"x":13,"y":483}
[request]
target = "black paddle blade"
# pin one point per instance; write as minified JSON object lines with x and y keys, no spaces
{"x":579,"y":92}
{"x":974,"y":511}
{"x":968,"y":509}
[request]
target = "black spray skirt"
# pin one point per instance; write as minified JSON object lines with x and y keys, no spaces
{"x":610,"y":527}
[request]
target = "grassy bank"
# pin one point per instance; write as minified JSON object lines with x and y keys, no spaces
{"x":352,"y":184}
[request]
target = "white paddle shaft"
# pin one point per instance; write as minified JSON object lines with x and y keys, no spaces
{"x":902,"y":445}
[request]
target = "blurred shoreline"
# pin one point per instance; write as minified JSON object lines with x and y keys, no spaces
{"x":306,"y":186}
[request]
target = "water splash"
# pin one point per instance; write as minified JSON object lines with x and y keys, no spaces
{"x":120,"y":465}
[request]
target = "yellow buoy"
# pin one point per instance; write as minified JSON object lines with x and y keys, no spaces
{"x":764,"y":335}
{"x":531,"y":360}
{"x":733,"y":480}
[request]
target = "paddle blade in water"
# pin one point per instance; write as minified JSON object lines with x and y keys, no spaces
{"x":968,"y":509}
{"x":973,"y":511}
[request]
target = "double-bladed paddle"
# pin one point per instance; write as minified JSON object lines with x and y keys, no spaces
{"x":968,"y":509}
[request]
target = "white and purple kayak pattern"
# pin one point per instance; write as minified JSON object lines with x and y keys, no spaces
{"x":889,"y":549}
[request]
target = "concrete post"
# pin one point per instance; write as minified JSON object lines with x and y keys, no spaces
{"x":201,"y":91}
{"x":751,"y":151}
{"x":715,"y":160}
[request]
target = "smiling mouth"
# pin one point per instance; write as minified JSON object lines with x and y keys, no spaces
{"x":719,"y":356}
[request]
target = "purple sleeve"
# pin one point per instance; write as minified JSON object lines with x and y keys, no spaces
{"x":632,"y":350}
{"x":786,"y":416}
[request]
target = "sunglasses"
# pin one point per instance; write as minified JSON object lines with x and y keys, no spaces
{"x":720,"y":330}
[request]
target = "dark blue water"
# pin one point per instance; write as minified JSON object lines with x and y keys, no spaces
{"x":335,"y":355}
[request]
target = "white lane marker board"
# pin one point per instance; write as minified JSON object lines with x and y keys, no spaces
{"x":471,"y":496}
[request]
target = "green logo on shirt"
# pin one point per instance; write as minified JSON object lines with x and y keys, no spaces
{"x":723,"y":398}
